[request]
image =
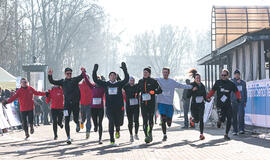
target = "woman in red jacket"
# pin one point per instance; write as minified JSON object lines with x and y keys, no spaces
{"x":56,"y":98}
{"x":25,"y":96}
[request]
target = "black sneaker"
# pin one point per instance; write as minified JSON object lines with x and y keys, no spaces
{"x":147,"y":139}
{"x":32,"y":130}
{"x":55,"y":137}
{"x":164,"y":138}
{"x":100,"y":141}
{"x":218,"y":124}
{"x":242,"y":132}
{"x":61,"y":126}
{"x":227,"y":138}
{"x":78,"y":128}
{"x":27,"y":136}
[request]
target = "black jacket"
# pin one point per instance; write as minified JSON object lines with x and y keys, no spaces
{"x":146,"y":85}
{"x":131,"y":92}
{"x":116,"y":100}
{"x":70,"y":87}
{"x":200,"y":92}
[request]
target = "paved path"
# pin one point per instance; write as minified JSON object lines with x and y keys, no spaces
{"x":181,"y":144}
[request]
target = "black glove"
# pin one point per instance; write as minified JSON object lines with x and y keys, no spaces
{"x":238,"y":100}
{"x":47,"y":94}
{"x":123,"y":66}
{"x":95,"y":67}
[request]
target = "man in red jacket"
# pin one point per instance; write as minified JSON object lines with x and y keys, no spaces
{"x":25,"y":96}
{"x":56,"y":97}
{"x":86,"y":100}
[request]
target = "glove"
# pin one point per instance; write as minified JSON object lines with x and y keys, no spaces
{"x":123,"y":66}
{"x":95,"y":67}
{"x":47,"y":94}
{"x":152,"y":92}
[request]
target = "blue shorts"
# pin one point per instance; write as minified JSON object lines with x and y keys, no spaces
{"x":165,"y":109}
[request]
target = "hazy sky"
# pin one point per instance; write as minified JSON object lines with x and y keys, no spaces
{"x":136,"y":16}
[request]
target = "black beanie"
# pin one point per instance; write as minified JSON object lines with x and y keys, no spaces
{"x":147,"y":69}
{"x":68,"y":69}
{"x":237,"y":72}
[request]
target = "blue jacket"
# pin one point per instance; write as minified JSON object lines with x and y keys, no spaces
{"x":243,"y":90}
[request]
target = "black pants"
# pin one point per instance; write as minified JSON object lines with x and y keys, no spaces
{"x":133,"y":116}
{"x":97,"y":116}
{"x":27,"y":117}
{"x":148,"y":111}
{"x":197,"y":113}
{"x":114,"y":116}
{"x":72,"y":107}
{"x":57,"y":116}
{"x":225,"y":112}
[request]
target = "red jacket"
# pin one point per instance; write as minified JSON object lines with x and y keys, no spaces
{"x":56,"y":97}
{"x":86,"y":94}
{"x":25,"y":96}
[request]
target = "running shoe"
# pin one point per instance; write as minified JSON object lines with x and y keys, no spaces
{"x":227,"y":138}
{"x":27,"y":136}
{"x":131,"y":138}
{"x":117,"y":135}
{"x":61,"y":126}
{"x":147,"y":139}
{"x":113,"y":144}
{"x":68,"y":141}
{"x":235,"y":133}
{"x":136,"y":137}
{"x":242,"y":132}
{"x":32,"y":130}
{"x":100,"y":141}
{"x":191,"y":123}
{"x":218,"y":124}
{"x":78,"y":128}
{"x":87,"y":135}
{"x":55,"y":137}
{"x":202,"y":137}
{"x":164,"y":138}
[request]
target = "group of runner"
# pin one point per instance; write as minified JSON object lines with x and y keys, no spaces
{"x":67,"y":94}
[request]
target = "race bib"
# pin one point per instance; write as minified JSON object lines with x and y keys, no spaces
{"x":133,"y":101}
{"x":166,"y":93}
{"x":146,"y":97}
{"x":223,"y":98}
{"x":96,"y":101}
{"x":199,"y":99}
{"x":112,"y":91}
{"x":239,"y":88}
{"x":66,"y":113}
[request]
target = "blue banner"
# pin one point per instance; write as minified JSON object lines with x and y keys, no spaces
{"x":258,"y":103}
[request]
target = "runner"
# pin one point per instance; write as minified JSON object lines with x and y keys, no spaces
{"x":25,"y":96}
{"x":97,"y":106}
{"x":198,"y":94}
{"x":72,"y":97}
{"x":56,"y":98}
{"x":114,"y":99}
{"x":148,"y":88}
{"x":165,"y":100}
{"x":224,"y":87}
{"x":86,"y":100}
{"x":132,"y":107}
{"x":239,"y":108}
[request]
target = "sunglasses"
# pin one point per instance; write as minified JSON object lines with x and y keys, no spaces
{"x":224,"y":75}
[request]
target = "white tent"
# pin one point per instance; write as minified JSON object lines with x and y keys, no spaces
{"x":7,"y":81}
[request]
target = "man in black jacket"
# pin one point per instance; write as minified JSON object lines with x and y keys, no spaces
{"x":72,"y":97}
{"x":114,"y":99}
{"x":148,"y":87}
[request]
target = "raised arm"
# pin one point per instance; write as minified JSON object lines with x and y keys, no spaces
{"x":95,"y":79}
{"x":52,"y":81}
{"x":87,"y":81}
{"x":126,"y":79}
{"x":79,"y":77}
